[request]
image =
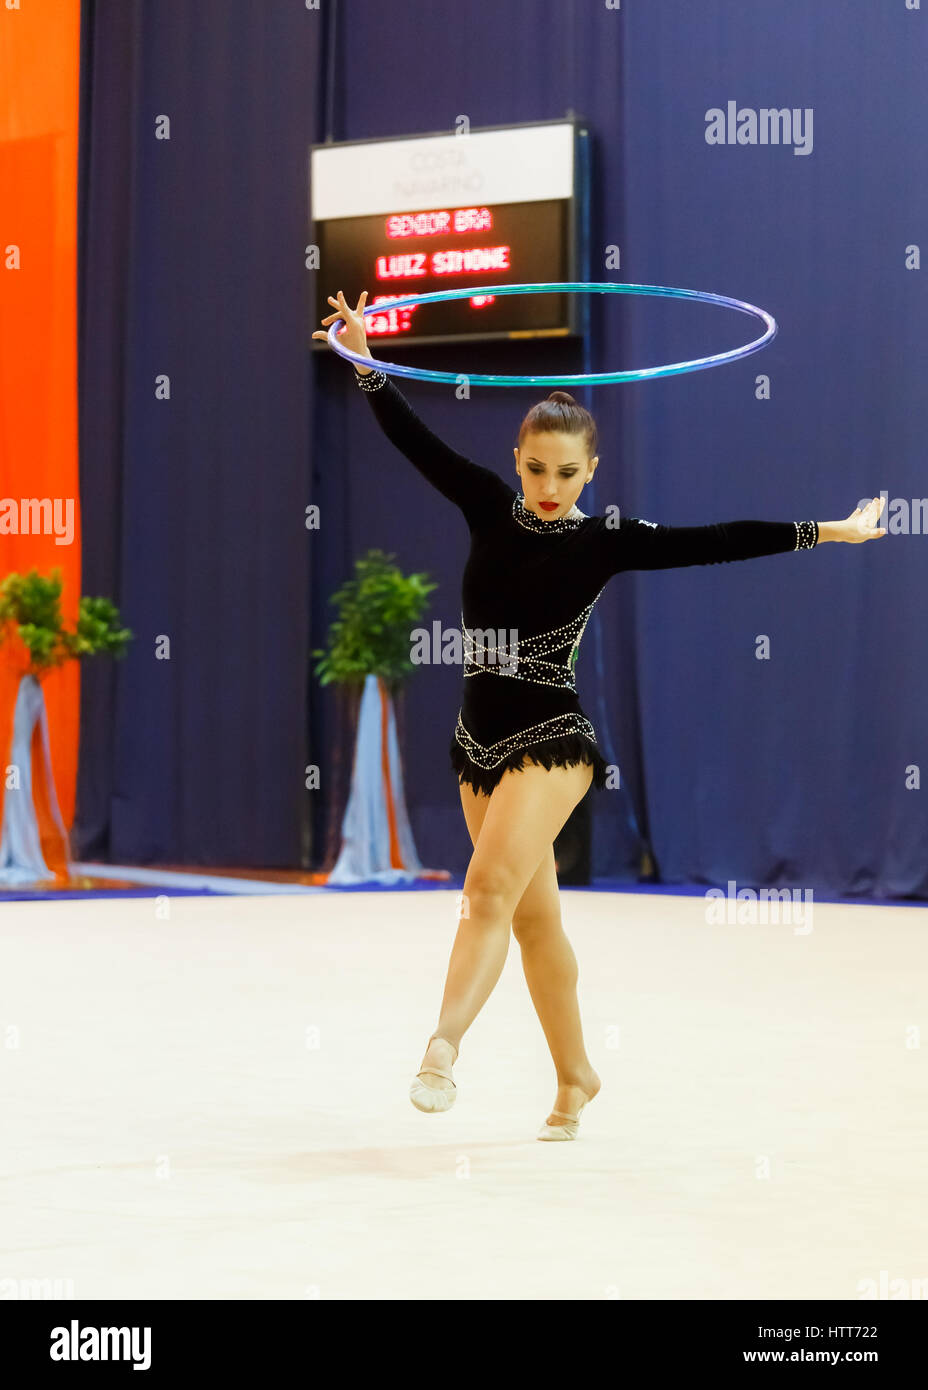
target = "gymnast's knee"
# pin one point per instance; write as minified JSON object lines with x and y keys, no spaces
{"x":534,"y":928}
{"x":490,"y":894}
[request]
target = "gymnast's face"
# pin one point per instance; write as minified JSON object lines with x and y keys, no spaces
{"x":553,"y":468}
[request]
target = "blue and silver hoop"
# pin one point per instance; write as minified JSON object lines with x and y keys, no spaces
{"x":698,"y":364}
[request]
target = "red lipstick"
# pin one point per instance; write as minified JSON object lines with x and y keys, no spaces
{"x":549,"y":506}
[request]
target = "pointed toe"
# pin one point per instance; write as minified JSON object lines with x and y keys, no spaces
{"x":557,"y":1132}
{"x":568,"y":1130}
{"x":430,"y":1098}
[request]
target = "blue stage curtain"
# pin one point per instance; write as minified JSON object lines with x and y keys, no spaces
{"x":192,"y":270}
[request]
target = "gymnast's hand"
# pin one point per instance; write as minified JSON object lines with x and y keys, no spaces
{"x":354,"y":335}
{"x":859,"y":526}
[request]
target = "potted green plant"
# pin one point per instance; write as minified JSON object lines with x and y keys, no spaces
{"x":367,"y":659}
{"x":37,"y":642}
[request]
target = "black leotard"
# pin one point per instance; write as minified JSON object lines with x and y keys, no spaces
{"x":528,"y":589}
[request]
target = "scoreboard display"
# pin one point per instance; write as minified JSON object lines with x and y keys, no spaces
{"x":497,"y":206}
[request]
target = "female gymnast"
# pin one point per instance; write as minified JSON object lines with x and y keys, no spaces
{"x":536,"y":567}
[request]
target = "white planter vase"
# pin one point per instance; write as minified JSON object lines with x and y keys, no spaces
{"x":21,"y":857}
{"x":369,"y":850}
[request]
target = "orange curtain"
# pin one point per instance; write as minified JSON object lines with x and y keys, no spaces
{"x":39,"y":98}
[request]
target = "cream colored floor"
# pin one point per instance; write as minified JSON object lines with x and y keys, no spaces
{"x":216,"y":1105}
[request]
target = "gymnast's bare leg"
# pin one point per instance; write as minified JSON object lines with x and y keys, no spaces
{"x":511,"y":879}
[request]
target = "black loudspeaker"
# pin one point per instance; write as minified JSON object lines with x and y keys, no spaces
{"x":572,"y":848}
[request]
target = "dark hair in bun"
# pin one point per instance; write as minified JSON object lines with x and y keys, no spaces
{"x":561,"y":414}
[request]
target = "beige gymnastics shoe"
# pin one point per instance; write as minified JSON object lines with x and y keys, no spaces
{"x":434,"y":1098}
{"x":568,"y":1130}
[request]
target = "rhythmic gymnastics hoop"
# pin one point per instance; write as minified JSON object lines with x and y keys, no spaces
{"x":584,"y":378}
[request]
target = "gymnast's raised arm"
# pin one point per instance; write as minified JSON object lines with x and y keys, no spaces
{"x":471,"y":487}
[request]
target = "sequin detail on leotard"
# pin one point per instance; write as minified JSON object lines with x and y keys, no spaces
{"x":491,"y":757}
{"x":523,"y":658}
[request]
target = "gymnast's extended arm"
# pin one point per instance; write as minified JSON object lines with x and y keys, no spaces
{"x":636,"y":544}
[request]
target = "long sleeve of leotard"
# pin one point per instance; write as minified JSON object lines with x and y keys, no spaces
{"x":636,"y":544}
{"x":469,"y":485}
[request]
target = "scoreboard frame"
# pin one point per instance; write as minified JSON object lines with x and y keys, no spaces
{"x":574,"y":250}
